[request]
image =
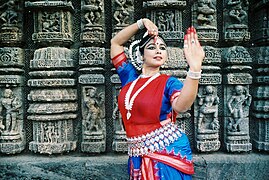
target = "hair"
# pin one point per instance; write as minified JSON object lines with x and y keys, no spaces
{"x":145,"y":39}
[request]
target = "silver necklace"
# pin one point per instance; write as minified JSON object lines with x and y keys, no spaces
{"x":129,"y":102}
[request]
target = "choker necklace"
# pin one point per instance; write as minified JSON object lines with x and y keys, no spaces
{"x":129,"y":102}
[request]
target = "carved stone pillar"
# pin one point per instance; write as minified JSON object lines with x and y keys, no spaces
{"x":167,"y":15}
{"x":53,"y":96}
{"x":12,"y":134}
{"x":119,"y":140}
{"x":237,"y":99}
{"x":93,"y":22}
{"x":261,"y":99}
{"x":235,"y":24}
{"x":11,"y":22}
{"x":92,"y":84}
{"x":260,"y":93}
{"x":204,"y":16}
{"x":208,"y":104}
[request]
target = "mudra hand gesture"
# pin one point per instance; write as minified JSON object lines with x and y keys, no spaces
{"x":193,"y":51}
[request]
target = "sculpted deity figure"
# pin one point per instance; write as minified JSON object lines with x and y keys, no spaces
{"x":116,"y":115}
{"x":206,"y":10}
{"x":121,"y":14}
{"x":50,"y":22}
{"x":236,"y":105}
{"x":9,"y":16}
{"x":209,"y":106}
{"x":11,"y":105}
{"x":93,"y":10}
{"x":237,"y":13}
{"x":94,"y":104}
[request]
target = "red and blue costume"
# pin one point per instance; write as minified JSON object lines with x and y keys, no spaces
{"x":156,"y":151}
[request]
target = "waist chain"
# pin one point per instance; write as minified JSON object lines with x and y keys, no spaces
{"x":153,"y":141}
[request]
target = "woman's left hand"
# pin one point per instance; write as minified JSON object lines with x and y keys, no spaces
{"x":193,"y":51}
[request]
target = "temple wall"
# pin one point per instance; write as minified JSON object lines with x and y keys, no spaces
{"x":58,"y":88}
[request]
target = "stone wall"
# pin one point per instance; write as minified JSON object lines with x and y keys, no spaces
{"x":59,"y":90}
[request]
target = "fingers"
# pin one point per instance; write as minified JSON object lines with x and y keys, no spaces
{"x":151,"y":27}
{"x":191,"y":38}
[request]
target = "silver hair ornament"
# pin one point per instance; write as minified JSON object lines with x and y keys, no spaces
{"x":135,"y":55}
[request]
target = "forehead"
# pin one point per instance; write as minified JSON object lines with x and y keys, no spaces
{"x":158,"y":41}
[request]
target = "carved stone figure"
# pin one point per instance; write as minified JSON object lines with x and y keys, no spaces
{"x":121,"y":14}
{"x":9,"y":16}
{"x":206,"y":10}
{"x":93,"y":10}
{"x":236,"y":104}
{"x":209,"y":106}
{"x":51,"y":22}
{"x":165,"y":21}
{"x":11,"y":106}
{"x":237,"y":13}
{"x":116,"y":115}
{"x":94,"y":104}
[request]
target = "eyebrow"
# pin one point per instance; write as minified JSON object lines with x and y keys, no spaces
{"x":161,"y":44}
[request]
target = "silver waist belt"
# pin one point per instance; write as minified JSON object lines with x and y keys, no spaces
{"x":153,"y":141}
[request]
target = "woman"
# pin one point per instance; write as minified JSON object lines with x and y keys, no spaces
{"x":148,"y":103}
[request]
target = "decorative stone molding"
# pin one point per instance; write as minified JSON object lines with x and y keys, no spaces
{"x":53,"y":106}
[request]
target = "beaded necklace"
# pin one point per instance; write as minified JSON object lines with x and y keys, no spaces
{"x":129,"y":102}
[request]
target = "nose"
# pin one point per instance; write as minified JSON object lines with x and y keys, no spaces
{"x":158,"y":51}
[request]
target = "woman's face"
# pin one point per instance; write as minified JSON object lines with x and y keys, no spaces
{"x":155,"y":54}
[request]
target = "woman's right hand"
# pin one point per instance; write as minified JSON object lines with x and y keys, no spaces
{"x":150,"y":26}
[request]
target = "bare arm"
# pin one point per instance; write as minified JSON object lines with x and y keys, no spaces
{"x":194,"y":54}
{"x":124,"y":35}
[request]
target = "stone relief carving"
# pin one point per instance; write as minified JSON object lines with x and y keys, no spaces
{"x":205,"y":20}
{"x":236,"y":27}
{"x":167,"y":15}
{"x":206,"y":14}
{"x":10,"y":22}
{"x":9,"y":15}
{"x":10,"y":111}
{"x":119,"y":143}
{"x":94,"y":103}
{"x":50,"y":21}
{"x":93,"y":21}
{"x":237,"y":104}
{"x":121,"y":12}
{"x":53,"y":22}
{"x":208,"y":110}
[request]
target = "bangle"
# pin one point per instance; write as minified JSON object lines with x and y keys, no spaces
{"x":194,"y":75}
{"x":140,"y":24}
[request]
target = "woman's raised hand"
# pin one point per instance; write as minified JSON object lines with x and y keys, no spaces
{"x":193,"y":51}
{"x":150,"y":26}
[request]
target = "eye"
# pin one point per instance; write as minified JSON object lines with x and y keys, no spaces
{"x":163,"y":48}
{"x":151,"y":47}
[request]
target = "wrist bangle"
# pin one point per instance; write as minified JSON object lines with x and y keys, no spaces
{"x":194,"y":75}
{"x":140,"y":24}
